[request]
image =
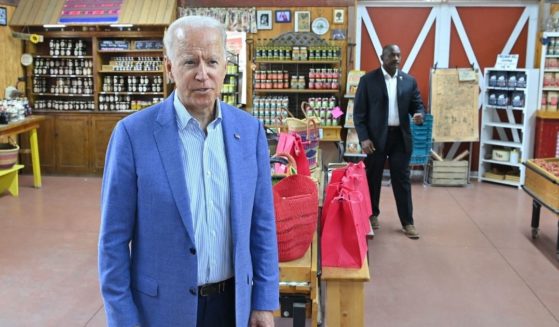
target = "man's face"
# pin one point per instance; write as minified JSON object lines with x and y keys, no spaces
{"x":391,"y":59}
{"x":198,"y":67}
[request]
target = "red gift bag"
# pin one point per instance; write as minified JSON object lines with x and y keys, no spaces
{"x":293,"y":145}
{"x":352,"y":178}
{"x":342,"y":242}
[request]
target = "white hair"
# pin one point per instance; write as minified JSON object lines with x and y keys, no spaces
{"x":191,"y":21}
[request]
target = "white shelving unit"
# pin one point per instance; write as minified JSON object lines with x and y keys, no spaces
{"x":507,"y":124}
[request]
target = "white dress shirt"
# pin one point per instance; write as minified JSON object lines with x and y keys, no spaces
{"x":207,"y":180}
{"x":391,"y":88}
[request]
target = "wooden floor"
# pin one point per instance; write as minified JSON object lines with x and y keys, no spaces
{"x":475,"y":264}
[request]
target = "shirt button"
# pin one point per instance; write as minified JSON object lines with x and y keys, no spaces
{"x":192,"y":290}
{"x":209,"y":173}
{"x":193,"y":251}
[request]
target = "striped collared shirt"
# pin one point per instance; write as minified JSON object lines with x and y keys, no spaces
{"x":207,"y":182}
{"x":391,"y":88}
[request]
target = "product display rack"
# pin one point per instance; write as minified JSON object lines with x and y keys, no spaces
{"x":507,"y":126}
{"x":80,"y":119}
{"x":231,"y":90}
{"x":295,"y":68}
{"x":547,"y":121}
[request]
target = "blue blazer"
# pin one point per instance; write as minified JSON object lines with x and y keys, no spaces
{"x":371,"y":108}
{"x":147,"y":258}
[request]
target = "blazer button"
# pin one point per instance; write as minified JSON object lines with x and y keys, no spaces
{"x":193,"y":290}
{"x":193,"y":251}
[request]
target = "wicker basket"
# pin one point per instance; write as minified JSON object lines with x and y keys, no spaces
{"x":8,"y":155}
{"x":296,"y":210}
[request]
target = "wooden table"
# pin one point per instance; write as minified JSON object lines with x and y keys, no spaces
{"x":299,"y":286}
{"x":345,"y":295}
{"x":29,"y":124}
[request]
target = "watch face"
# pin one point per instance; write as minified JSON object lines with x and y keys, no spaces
{"x":320,"y":26}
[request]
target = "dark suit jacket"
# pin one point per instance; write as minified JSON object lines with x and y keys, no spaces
{"x":371,"y":108}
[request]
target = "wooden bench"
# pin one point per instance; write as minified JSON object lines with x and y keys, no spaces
{"x":9,"y":180}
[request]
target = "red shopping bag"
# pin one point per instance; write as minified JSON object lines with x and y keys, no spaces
{"x":352,"y":178}
{"x":296,"y":210}
{"x":342,"y":241}
{"x":293,"y":145}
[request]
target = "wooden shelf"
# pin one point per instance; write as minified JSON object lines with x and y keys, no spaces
{"x":65,"y":95}
{"x":131,"y":72}
{"x":64,"y":57}
{"x":131,"y":51}
{"x":76,"y":76}
{"x":306,"y":62}
{"x":263,"y":91}
{"x":133,"y":93}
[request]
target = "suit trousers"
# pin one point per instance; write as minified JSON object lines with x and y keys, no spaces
{"x":399,"y":161}
{"x":217,"y":309}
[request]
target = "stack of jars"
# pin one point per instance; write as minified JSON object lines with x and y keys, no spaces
{"x":271,"y":79}
{"x":138,"y":64}
{"x":273,"y":53}
{"x":324,"y":78}
{"x":322,"y":108}
{"x":271,"y":110}
{"x":324,"y":53}
{"x":64,"y":105}
{"x":65,"y":47}
{"x":63,"y":67}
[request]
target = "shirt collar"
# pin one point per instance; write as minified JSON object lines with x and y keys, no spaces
{"x":184,"y":117}
{"x":386,"y":75}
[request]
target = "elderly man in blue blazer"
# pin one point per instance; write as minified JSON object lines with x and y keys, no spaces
{"x":187,"y":229}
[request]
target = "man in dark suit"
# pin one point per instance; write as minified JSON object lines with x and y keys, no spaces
{"x":385,"y":99}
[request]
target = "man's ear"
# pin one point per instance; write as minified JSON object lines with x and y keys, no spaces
{"x":168,"y":66}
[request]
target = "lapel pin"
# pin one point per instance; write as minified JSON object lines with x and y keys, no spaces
{"x":400,"y":77}
{"x":237,"y":136}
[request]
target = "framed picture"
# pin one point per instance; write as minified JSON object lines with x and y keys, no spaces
{"x":338,"y":34}
{"x":283,"y":16}
{"x":3,"y":16}
{"x":302,"y":21}
{"x":338,"y":16}
{"x":264,"y":19}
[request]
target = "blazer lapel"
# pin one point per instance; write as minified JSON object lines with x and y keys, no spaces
{"x":167,"y":140}
{"x":382,"y":81}
{"x":233,"y":138}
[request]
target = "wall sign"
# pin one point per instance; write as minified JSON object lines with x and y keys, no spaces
{"x":90,"y":11}
{"x":506,"y":61}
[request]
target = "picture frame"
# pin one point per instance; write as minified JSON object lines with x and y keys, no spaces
{"x":264,"y":19}
{"x":283,"y":16}
{"x":302,"y":21}
{"x":338,"y":16}
{"x":3,"y":16}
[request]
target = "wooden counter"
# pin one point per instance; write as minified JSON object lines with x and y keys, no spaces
{"x":345,"y":295}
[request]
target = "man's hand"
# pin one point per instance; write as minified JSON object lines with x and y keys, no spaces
{"x":261,"y":319}
{"x":418,"y":119}
{"x":368,"y":146}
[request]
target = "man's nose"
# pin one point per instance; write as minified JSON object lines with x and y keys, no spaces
{"x":202,"y":72}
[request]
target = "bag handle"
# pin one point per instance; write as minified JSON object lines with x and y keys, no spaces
{"x":291,"y":163}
